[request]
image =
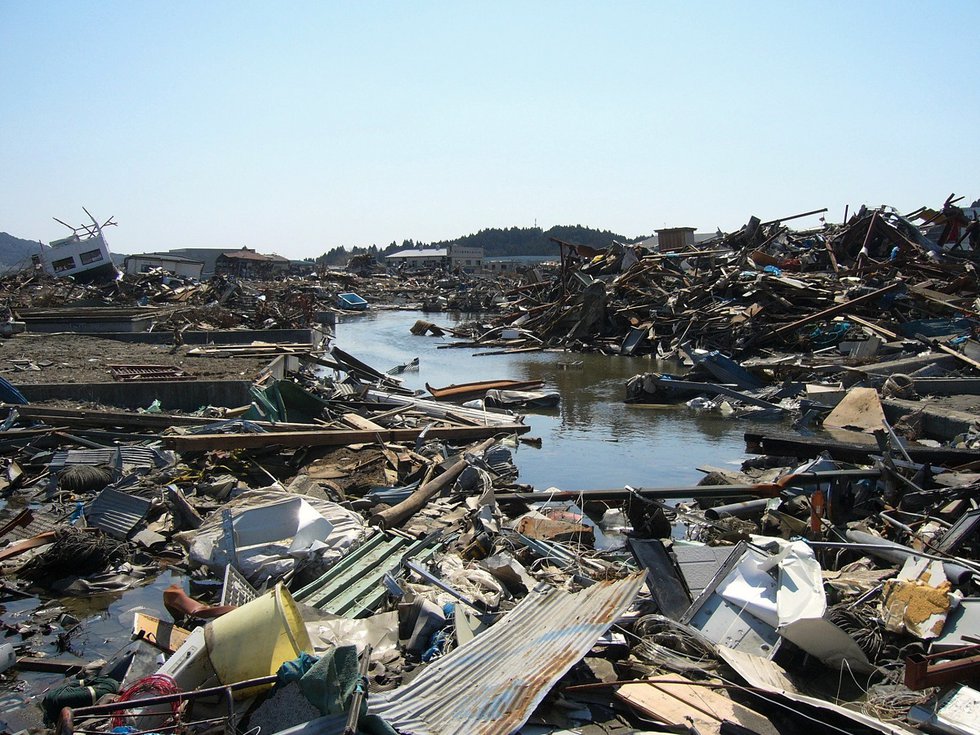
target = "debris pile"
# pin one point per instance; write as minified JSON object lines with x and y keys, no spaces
{"x":763,"y":288}
{"x":361,"y":537}
{"x":346,"y":555}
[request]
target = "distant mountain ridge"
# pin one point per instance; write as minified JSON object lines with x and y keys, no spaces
{"x":16,"y":252}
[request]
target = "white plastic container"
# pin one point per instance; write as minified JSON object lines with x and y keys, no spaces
{"x":8,"y":657}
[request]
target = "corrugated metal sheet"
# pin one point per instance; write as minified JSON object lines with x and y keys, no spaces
{"x":117,"y":513}
{"x":353,"y":586}
{"x":17,"y":526}
{"x":130,"y":456}
{"x":491,"y":685}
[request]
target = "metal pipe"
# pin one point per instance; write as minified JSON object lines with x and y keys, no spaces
{"x":737,"y":510}
{"x":897,"y":553}
{"x":360,"y":691}
{"x":103,"y":709}
{"x":614,"y":494}
{"x":434,"y":580}
{"x":398,"y":514}
{"x":762,"y":489}
{"x":795,"y":216}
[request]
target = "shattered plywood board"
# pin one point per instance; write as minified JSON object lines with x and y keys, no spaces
{"x":165,"y":636}
{"x":860,"y":409}
{"x":676,"y":700}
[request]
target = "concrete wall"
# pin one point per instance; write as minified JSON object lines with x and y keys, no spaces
{"x":224,"y":337}
{"x":173,"y":395}
{"x":96,"y":327}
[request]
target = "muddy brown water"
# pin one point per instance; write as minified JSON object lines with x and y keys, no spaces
{"x":591,"y":440}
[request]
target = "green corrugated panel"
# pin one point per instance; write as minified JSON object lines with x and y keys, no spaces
{"x":366,"y":595}
{"x":352,"y":587}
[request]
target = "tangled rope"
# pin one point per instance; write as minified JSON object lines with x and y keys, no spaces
{"x":891,"y":703}
{"x":670,"y":644}
{"x":861,"y":624}
{"x":152,"y":685}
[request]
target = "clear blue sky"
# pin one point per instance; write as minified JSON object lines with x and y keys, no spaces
{"x":295,"y":127}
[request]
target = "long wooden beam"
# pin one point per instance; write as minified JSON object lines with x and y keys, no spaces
{"x":83,"y":417}
{"x":787,"y":444}
{"x":334,"y":438}
{"x":832,"y":311}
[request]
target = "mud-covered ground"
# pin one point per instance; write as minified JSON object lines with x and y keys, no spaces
{"x":30,"y":359}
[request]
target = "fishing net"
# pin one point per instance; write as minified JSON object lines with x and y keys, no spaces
{"x":84,"y":478}
{"x":74,"y":553}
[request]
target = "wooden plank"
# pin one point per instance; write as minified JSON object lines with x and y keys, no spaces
{"x":165,"y":636}
{"x":858,"y":448}
{"x":881,"y":331}
{"x":48,"y":665}
{"x":959,"y":356}
{"x":18,"y":548}
{"x":676,"y":700}
{"x":937,"y":297}
{"x":356,"y":421}
{"x":21,"y":519}
{"x":68,"y":417}
{"x":334,"y":438}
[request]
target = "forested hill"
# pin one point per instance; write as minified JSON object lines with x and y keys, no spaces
{"x":497,"y":242}
{"x":16,"y":252}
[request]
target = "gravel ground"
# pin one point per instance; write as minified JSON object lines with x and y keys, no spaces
{"x":29,"y":359}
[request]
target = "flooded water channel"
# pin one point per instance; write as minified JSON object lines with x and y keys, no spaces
{"x":591,"y":440}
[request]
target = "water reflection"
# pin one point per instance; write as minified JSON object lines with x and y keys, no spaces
{"x":592,"y":440}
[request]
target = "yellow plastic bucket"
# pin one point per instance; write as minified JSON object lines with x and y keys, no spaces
{"x":256,"y":639}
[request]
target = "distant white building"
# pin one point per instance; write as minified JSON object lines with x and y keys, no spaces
{"x":176,"y":264}
{"x":469,"y":260}
{"x":419,"y":258}
{"x":84,"y":255}
{"x":208,"y":256}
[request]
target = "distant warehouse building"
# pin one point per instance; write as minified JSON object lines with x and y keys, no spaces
{"x":675,"y":238}
{"x":208,"y":256}
{"x":517,"y":263}
{"x":176,"y":264}
{"x":246,"y":263}
{"x":469,"y":260}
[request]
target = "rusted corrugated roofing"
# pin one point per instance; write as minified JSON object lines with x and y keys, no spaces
{"x":491,"y":685}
